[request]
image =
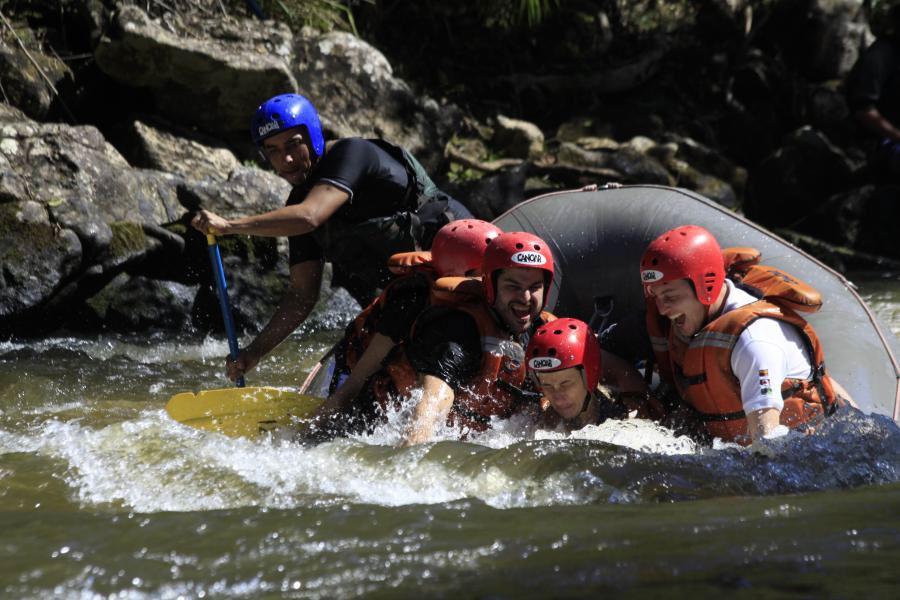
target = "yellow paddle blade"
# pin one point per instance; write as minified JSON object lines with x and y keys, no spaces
{"x":241,"y":412}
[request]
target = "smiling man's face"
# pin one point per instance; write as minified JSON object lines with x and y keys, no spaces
{"x":289,"y":155}
{"x":519,"y":297}
{"x":676,"y":300}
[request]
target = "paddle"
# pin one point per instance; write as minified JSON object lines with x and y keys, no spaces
{"x":215,"y":259}
{"x":239,"y":411}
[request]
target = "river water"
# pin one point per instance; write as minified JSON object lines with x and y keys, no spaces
{"x":102,"y":495}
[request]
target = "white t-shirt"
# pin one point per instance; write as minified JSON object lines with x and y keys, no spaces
{"x":767,"y":352}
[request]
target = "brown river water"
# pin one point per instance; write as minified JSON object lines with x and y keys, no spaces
{"x":103,"y":496}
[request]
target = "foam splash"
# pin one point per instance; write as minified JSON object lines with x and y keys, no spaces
{"x":151,"y":464}
{"x":637,"y":434}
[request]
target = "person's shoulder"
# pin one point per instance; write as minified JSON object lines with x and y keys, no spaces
{"x":350,"y":142}
{"x":352,"y":145}
{"x":345,"y":148}
{"x":773,"y":331}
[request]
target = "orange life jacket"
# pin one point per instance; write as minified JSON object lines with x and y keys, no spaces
{"x":412,"y":269}
{"x":397,"y":377}
{"x":406,"y":263}
{"x":700,"y":368}
{"x":495,"y":389}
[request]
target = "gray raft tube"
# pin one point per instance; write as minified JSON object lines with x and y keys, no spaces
{"x":597,"y":237}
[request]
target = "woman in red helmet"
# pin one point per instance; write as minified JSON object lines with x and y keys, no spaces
{"x":469,"y":354}
{"x":457,"y":251}
{"x":745,"y":365}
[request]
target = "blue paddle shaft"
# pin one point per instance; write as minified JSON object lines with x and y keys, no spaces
{"x":215,"y":258}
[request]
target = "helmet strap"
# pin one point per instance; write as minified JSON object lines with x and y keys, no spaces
{"x":709,"y":312}
{"x":587,"y":403}
{"x":588,"y":396}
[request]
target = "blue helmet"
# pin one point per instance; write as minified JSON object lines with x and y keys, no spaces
{"x":284,"y":112}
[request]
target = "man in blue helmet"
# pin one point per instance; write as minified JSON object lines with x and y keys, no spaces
{"x":355,"y":205}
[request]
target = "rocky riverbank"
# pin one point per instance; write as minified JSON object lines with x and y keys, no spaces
{"x":105,"y":152}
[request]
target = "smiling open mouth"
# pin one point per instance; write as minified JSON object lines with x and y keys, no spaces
{"x":520,"y":313}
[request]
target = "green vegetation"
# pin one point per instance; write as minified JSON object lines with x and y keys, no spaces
{"x":513,"y":13}
{"x":127,"y":238}
{"x":649,"y":16}
{"x":324,"y":15}
{"x":461,"y":174}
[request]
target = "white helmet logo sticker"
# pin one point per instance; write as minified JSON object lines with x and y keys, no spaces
{"x":544,"y":363}
{"x":651,"y":276}
{"x":528,"y":258}
{"x":270,"y":126}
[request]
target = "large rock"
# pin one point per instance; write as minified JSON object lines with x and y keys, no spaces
{"x":833,"y":38}
{"x":84,"y":182}
{"x":819,"y":39}
{"x":35,"y":256}
{"x":30,"y":77}
{"x":517,"y":138}
{"x":247,"y":190}
{"x":136,"y":304}
{"x":490,"y":196}
{"x":357,"y":94}
{"x":190,"y":156}
{"x":790,"y":185}
{"x":627,"y":161}
{"x":93,"y":218}
{"x":212,"y":73}
{"x":209,"y":73}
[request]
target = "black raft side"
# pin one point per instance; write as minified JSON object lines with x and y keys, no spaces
{"x":597,"y":237}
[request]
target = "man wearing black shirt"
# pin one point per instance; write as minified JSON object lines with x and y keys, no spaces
{"x":469,"y":356}
{"x":355,"y":205}
{"x":457,"y":251}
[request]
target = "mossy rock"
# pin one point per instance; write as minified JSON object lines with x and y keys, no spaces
{"x":128,"y":239}
{"x":35,"y":258}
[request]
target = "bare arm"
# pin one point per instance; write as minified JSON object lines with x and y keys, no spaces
{"x":318,"y":206}
{"x":297,"y":303}
{"x":874,"y":122}
{"x":762,"y":422}
{"x":432,"y":409}
{"x":368,"y":364}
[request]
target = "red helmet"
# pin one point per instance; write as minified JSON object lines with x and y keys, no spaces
{"x":686,"y":252}
{"x":515,"y":249}
{"x":459,"y":246}
{"x":563,"y":344}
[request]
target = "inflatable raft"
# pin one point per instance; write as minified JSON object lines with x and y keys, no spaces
{"x":598,"y":236}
